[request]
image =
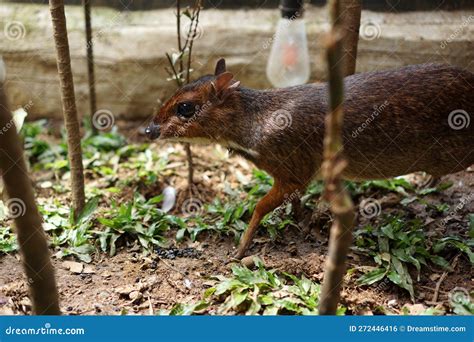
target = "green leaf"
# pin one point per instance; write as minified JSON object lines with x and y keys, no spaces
{"x":180,"y":234}
{"x":237,"y":297}
{"x":399,"y":275}
{"x":88,"y":210}
{"x":440,"y":261}
{"x":372,"y":276}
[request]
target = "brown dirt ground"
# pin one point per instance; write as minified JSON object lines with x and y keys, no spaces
{"x":133,"y":283}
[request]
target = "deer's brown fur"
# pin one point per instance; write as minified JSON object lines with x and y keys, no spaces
{"x":395,"y":122}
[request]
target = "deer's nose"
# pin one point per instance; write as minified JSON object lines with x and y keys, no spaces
{"x":152,"y":131}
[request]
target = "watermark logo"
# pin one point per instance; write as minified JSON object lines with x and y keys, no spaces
{"x":459,"y":119}
{"x":457,"y":32}
{"x":14,"y":30}
{"x":377,"y":111}
{"x":288,"y":198}
{"x":103,"y":119}
{"x":462,"y":202}
{"x":192,"y":207}
{"x":459,"y":295}
{"x":370,"y":208}
{"x":200,"y":110}
{"x":370,"y":30}
{"x":194,"y":32}
{"x":16,"y":208}
{"x":281,"y":119}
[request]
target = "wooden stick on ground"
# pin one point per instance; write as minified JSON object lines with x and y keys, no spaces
{"x":332,"y":168}
{"x":28,"y":223}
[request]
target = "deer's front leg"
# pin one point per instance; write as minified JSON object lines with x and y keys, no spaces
{"x":275,"y":197}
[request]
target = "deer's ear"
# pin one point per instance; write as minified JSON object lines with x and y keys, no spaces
{"x":224,"y":85}
{"x":220,"y":67}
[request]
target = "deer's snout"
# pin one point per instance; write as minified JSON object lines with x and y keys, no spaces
{"x":152,"y":131}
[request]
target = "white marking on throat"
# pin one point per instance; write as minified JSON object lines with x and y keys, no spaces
{"x":235,"y":146}
{"x":226,"y":143}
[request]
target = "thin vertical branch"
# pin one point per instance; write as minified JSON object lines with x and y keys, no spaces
{"x":192,"y":32}
{"x":178,"y":27}
{"x":350,"y":17}
{"x":69,"y":104}
{"x":28,"y":223}
{"x":332,"y":168}
{"x":179,"y":74}
{"x":90,"y":62}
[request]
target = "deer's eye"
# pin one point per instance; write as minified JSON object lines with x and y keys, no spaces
{"x":185,"y":109}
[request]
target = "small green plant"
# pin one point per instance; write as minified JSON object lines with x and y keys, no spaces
{"x":103,"y":142}
{"x":72,"y":236}
{"x":257,"y":292}
{"x":139,"y":219}
{"x":8,"y":241}
{"x":147,"y":165}
{"x":461,"y":301}
{"x":435,"y":189}
{"x":394,"y":245}
{"x":457,"y":243}
{"x":231,"y":217}
{"x":40,"y":153}
{"x":399,"y":185}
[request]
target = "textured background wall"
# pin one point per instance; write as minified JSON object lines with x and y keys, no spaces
{"x":130,"y":50}
{"x":375,"y":5}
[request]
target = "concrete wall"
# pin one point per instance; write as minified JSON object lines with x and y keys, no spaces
{"x":130,"y":51}
{"x":373,"y":5}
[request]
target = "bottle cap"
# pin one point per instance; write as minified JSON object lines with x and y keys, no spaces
{"x":291,"y":9}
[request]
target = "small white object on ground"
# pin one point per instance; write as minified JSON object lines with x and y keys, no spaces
{"x":169,"y":199}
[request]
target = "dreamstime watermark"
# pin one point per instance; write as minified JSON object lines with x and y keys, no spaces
{"x":193,"y":33}
{"x":462,"y":202}
{"x":199,"y":111}
{"x":459,"y":119}
{"x":370,"y":30}
{"x":289,"y":198}
{"x":368,"y":121}
{"x":459,"y":296}
{"x":281,"y":119}
{"x":192,"y":207}
{"x":15,"y":121}
{"x":28,"y":105}
{"x":457,"y":32}
{"x":103,"y":119}
{"x":46,"y":330}
{"x":7,"y":126}
{"x":383,"y":285}
{"x":267,"y":43}
{"x":15,"y":208}
{"x":370,"y":208}
{"x":14,"y":30}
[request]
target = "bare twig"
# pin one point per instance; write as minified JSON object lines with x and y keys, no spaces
{"x":178,"y":74}
{"x":332,"y":168}
{"x":90,"y":62}
{"x":193,"y":36}
{"x":174,"y":71}
{"x":442,"y":278}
